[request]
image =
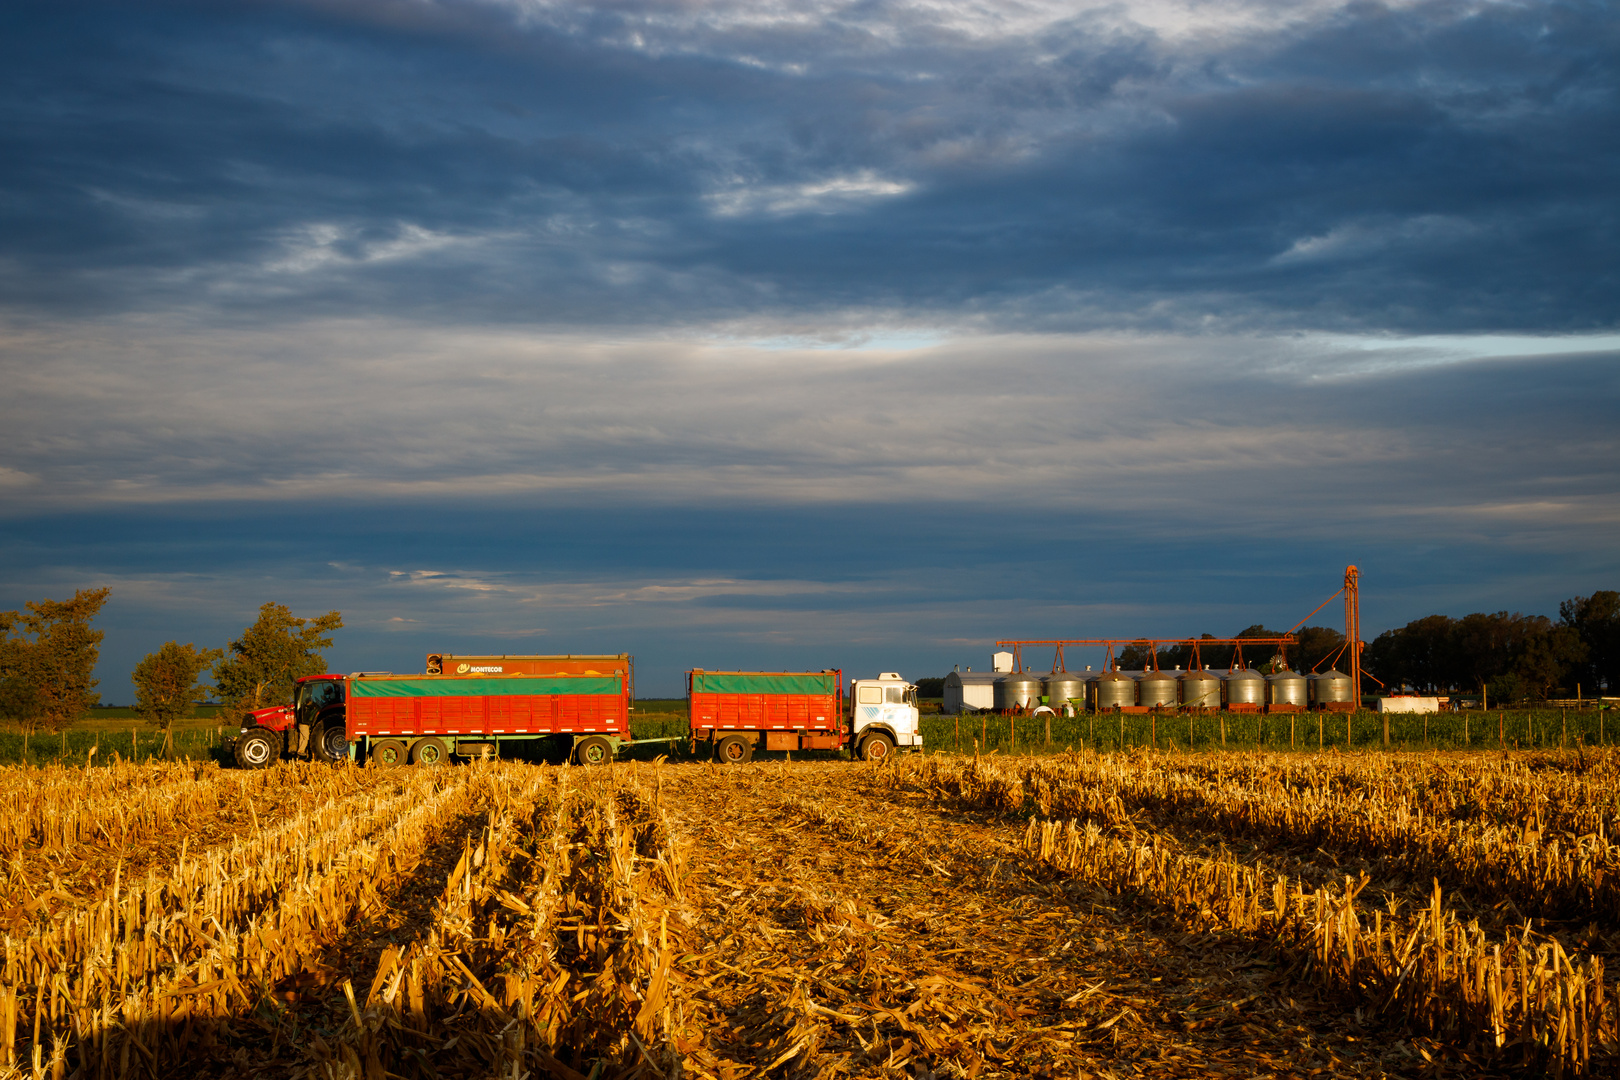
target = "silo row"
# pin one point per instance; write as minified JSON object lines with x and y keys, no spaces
{"x":1245,"y":689}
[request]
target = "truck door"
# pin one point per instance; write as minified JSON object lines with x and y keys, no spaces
{"x":868,"y":705}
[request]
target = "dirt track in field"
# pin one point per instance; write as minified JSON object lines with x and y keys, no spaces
{"x":894,"y":937}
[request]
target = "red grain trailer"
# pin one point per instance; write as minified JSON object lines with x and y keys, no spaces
{"x":578,"y":705}
{"x":738,"y":712}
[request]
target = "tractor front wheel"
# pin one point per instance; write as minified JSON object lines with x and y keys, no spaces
{"x":255,"y":750}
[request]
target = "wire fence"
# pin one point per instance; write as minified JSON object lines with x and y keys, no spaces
{"x":92,"y":748}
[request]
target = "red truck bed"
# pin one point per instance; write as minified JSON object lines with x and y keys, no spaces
{"x":806,"y":708}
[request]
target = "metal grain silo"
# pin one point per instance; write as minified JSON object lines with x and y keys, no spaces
{"x":1200,"y":690}
{"x":1286,"y":688}
{"x":1157,"y":688}
{"x":1062,"y":687}
{"x":1114,"y":688}
{"x":1245,"y":686}
{"x":1017,"y":690}
{"x":1330,"y":686}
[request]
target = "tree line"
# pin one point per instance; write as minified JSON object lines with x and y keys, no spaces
{"x":1506,"y":656}
{"x":48,"y":654}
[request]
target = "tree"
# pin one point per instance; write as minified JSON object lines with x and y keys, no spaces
{"x":1316,"y":645}
{"x":166,"y":684}
{"x":1596,"y":619}
{"x":261,"y":667}
{"x":1547,"y":657}
{"x":52,"y":648}
{"x":1488,"y":648}
{"x":19,"y":702}
{"x":1421,"y":654}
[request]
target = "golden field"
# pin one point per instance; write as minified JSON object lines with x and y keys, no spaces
{"x":1080,"y":915}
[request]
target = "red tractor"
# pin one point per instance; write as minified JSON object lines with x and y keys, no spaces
{"x":318,"y":708}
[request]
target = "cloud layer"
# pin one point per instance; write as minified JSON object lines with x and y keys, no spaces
{"x":767,"y":328}
{"x":1422,"y":167}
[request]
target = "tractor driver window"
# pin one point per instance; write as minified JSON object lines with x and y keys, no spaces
{"x":894,"y":695}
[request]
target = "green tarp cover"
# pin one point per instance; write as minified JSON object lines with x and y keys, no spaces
{"x":747,"y":682}
{"x":507,"y":687}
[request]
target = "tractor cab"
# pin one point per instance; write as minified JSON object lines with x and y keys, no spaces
{"x":316,"y":696}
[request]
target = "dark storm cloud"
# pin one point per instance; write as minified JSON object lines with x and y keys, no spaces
{"x":1424,"y":168}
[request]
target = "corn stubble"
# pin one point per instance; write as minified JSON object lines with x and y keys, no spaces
{"x":926,"y":918}
{"x":1123,"y":822}
{"x":549,"y":929}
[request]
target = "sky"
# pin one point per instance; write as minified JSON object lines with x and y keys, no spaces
{"x":762,"y":335}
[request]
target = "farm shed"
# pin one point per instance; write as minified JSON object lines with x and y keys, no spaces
{"x":1404,"y":703}
{"x":970,"y":690}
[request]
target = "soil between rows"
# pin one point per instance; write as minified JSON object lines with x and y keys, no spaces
{"x":894,"y":937}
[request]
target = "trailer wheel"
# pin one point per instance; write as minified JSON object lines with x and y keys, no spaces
{"x":332,"y":743}
{"x":734,"y":750}
{"x":254,"y":750}
{"x":876,"y":747}
{"x":593,"y":751}
{"x":388,"y":753}
{"x":427,"y":752}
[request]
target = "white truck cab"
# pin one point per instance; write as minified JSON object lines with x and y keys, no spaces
{"x":883,"y":716}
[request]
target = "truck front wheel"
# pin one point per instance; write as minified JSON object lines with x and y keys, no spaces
{"x":734,"y":750}
{"x":876,"y":747}
{"x":388,"y":753}
{"x":254,"y":750}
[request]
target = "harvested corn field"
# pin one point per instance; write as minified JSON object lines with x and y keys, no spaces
{"x":1106,"y":916}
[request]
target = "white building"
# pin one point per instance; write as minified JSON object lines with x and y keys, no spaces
{"x":970,"y":690}
{"x":1409,"y":704}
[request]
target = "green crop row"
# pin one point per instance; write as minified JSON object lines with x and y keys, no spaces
{"x":1521,"y":728}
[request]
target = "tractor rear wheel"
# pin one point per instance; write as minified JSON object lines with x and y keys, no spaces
{"x":331,"y":743}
